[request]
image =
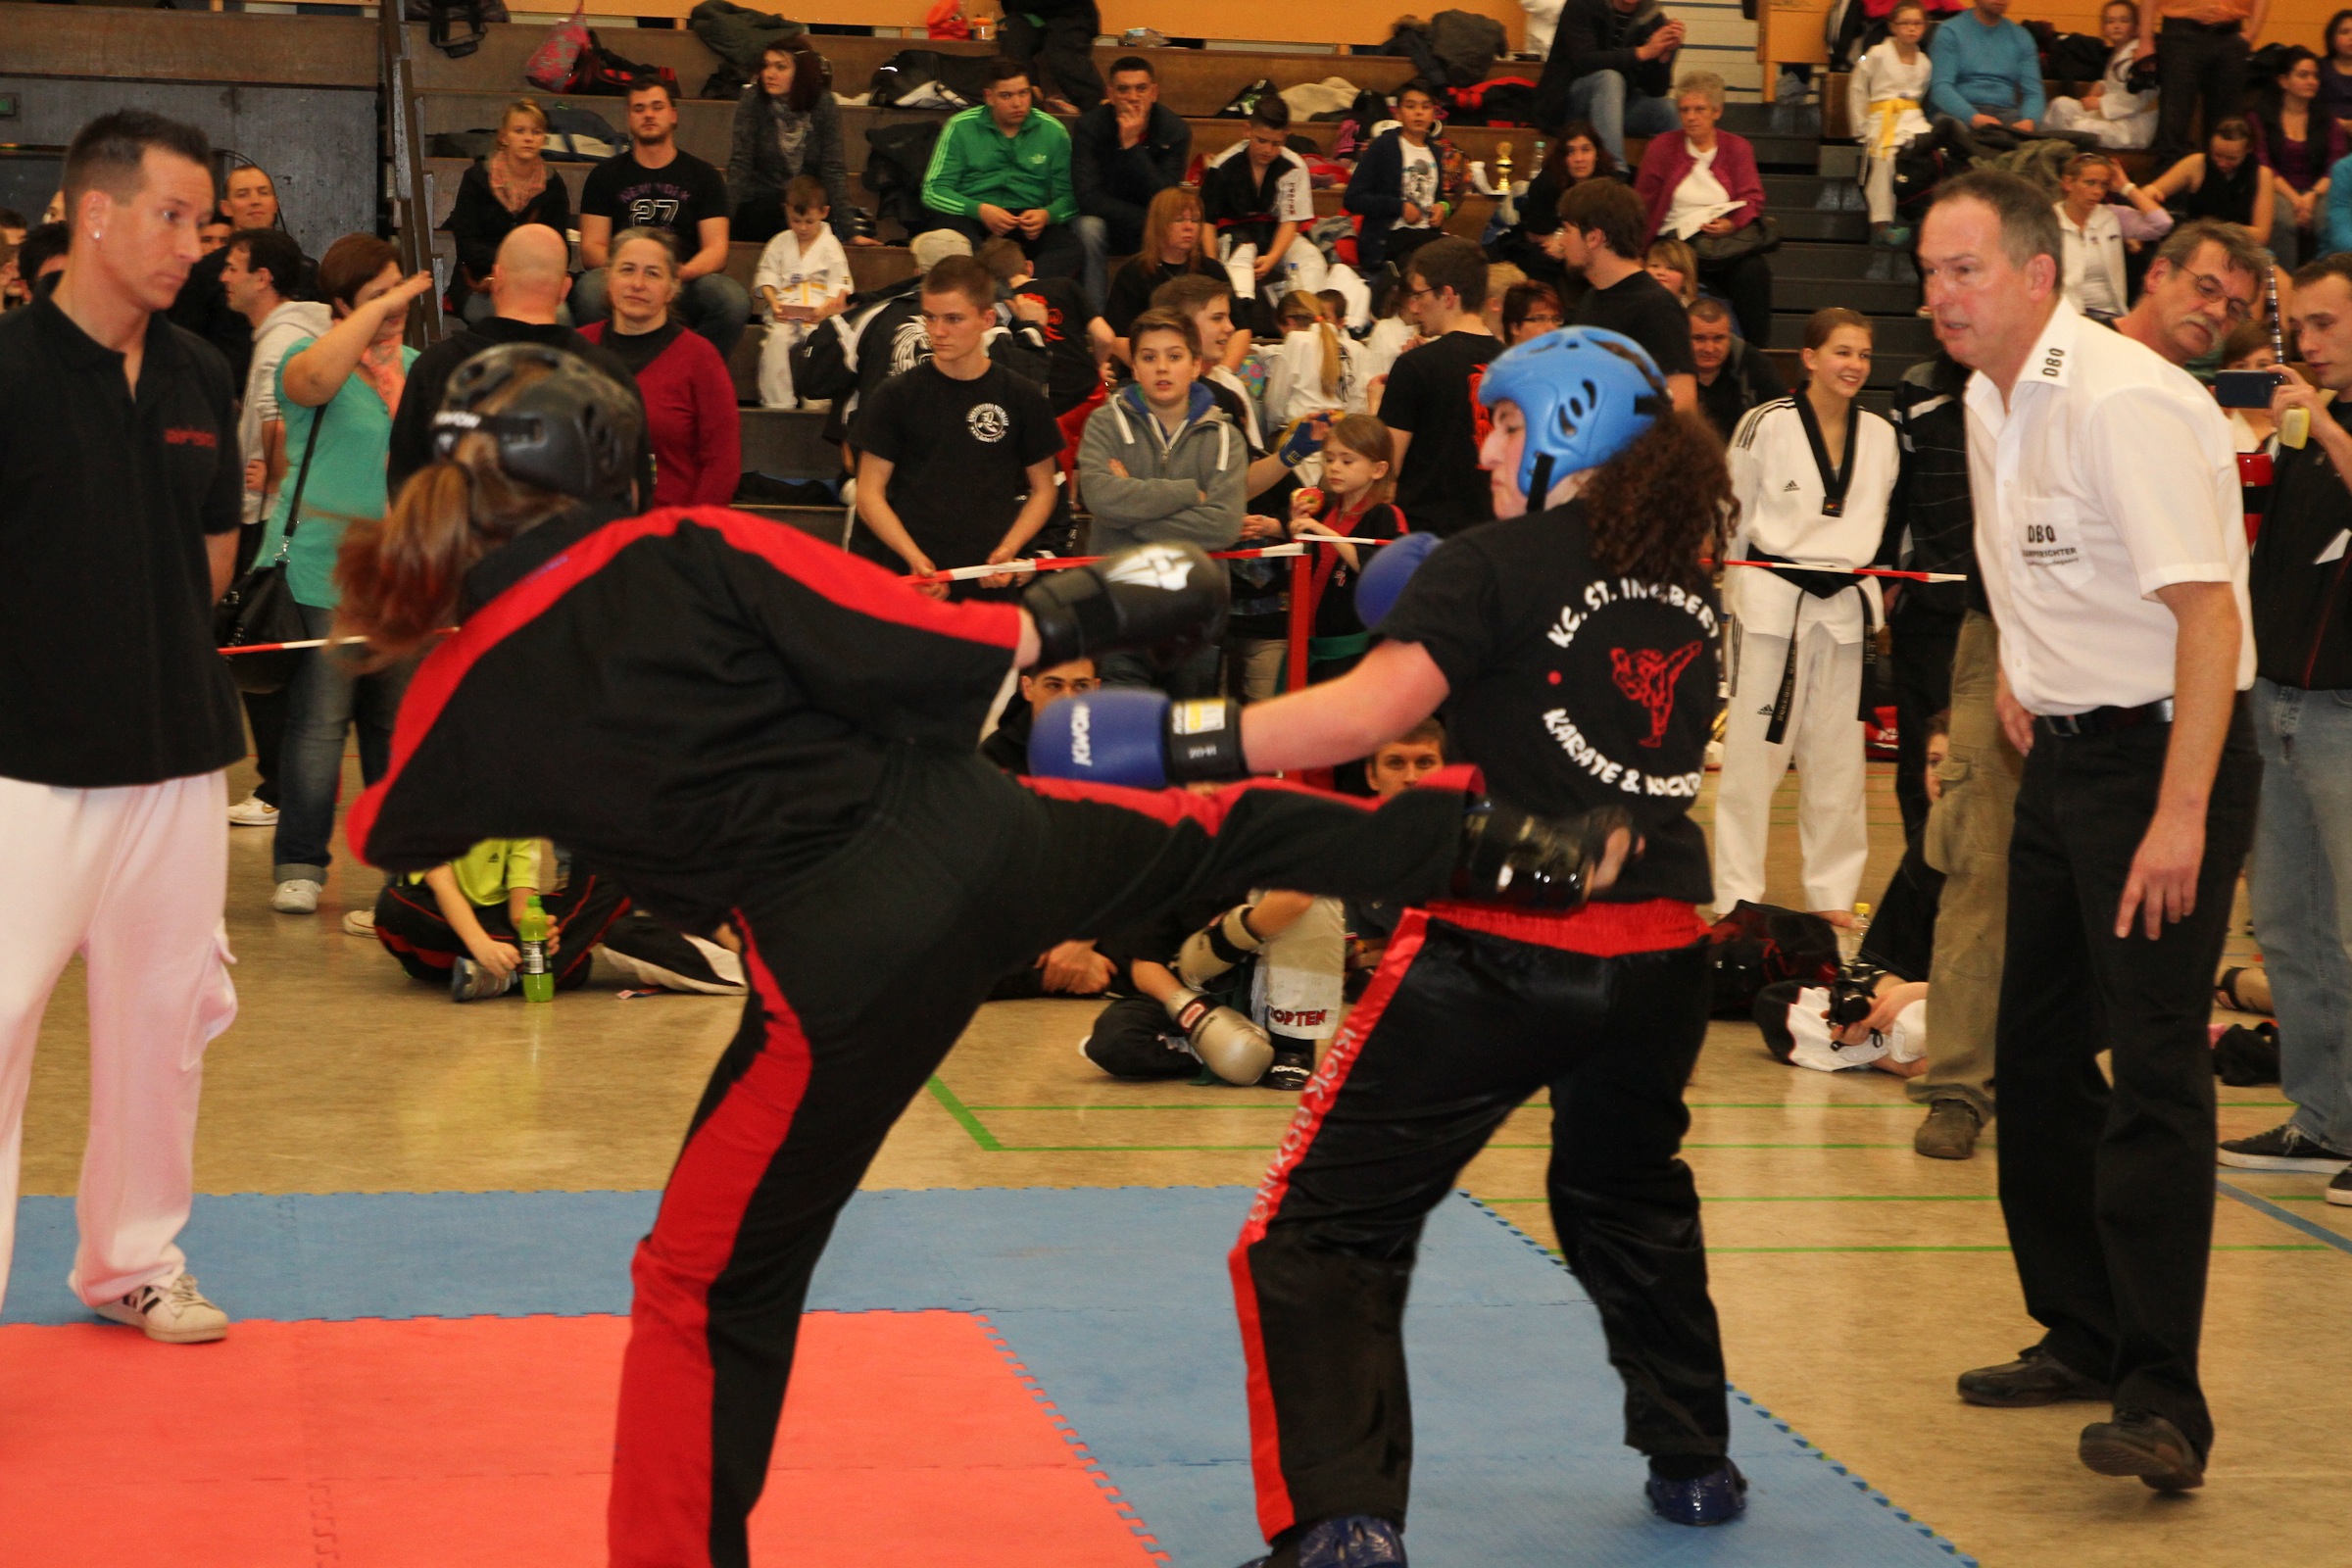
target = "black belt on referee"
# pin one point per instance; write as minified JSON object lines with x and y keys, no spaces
{"x":2104,"y":720}
{"x":2199,"y":27}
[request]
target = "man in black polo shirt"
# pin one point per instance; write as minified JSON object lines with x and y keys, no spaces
{"x":121,"y":491}
{"x":1601,"y":234}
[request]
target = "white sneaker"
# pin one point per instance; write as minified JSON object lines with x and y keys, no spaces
{"x":253,"y":812}
{"x":359,"y":922}
{"x":296,"y":896}
{"x":173,"y":1313}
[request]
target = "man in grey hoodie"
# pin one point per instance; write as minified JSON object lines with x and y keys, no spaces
{"x":1159,"y":461}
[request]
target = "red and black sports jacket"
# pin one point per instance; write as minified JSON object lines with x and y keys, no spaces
{"x":690,"y":700}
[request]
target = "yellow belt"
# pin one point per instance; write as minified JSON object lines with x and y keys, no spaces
{"x":1889,"y":112}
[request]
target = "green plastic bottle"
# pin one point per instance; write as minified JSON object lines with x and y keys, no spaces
{"x":531,"y":935}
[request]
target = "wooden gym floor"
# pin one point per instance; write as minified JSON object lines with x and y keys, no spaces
{"x":1854,"y":1278}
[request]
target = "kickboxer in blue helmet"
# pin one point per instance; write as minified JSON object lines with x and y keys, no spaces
{"x":1572,"y":644}
{"x":744,"y":724}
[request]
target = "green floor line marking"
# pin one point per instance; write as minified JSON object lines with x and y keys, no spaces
{"x":963,"y":1116}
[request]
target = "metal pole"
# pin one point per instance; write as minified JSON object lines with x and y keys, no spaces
{"x":412,"y":180}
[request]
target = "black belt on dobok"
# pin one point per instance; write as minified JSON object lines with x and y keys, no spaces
{"x":2104,"y":720}
{"x":1821,"y":585}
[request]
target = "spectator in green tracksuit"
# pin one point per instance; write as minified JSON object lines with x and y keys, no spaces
{"x":1005,"y":168}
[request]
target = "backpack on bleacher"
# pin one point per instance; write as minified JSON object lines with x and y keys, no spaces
{"x":1467,"y":45}
{"x":1503,"y":101}
{"x":601,"y":74}
{"x":927,"y":78}
{"x":896,"y":156}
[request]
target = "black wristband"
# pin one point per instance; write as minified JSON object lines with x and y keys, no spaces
{"x":1204,"y":740}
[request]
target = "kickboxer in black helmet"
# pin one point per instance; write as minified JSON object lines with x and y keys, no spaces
{"x":745,"y":724}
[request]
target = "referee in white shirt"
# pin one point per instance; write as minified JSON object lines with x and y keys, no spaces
{"x":2111,"y":551}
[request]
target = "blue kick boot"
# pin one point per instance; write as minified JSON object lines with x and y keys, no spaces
{"x":1357,"y":1541}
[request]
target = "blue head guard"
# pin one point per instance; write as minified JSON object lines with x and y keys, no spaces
{"x":1586,"y":394}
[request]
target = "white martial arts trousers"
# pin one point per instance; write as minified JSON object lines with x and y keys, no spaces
{"x":1823,"y":739}
{"x":132,"y":879}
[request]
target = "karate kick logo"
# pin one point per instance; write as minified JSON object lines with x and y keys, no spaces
{"x":1647,"y":677}
{"x":988,"y":421}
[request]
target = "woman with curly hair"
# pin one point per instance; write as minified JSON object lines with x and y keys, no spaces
{"x":1572,"y":642}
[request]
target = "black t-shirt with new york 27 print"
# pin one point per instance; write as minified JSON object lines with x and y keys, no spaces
{"x":677,"y":196}
{"x":1572,"y":688}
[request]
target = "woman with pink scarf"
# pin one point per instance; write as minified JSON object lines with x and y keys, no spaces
{"x":512,"y":186}
{"x":337,"y":392}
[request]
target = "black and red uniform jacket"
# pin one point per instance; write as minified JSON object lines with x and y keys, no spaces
{"x":694,"y":700}
{"x":1572,"y":688}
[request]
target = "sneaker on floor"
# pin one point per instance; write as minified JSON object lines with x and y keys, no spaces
{"x":468,"y":981}
{"x":2284,"y":1146}
{"x":296,"y":896}
{"x":1949,"y":1132}
{"x":2142,"y":1443}
{"x":2340,"y":1191}
{"x":174,"y":1312}
{"x":1290,"y":1070}
{"x":253,"y":812}
{"x":2034,"y":1377}
{"x":359,"y":922}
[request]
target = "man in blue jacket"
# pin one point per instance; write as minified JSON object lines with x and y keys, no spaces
{"x":1988,"y":72}
{"x":1123,"y":152}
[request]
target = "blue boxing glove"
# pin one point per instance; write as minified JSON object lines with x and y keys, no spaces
{"x":1138,"y":737}
{"x":1386,"y":574}
{"x":1304,"y":440}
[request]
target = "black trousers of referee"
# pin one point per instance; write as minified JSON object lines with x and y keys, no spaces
{"x":863,"y":971}
{"x":2108,"y":1191}
{"x":1458,"y":1029}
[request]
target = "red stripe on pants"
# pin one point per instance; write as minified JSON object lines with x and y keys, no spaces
{"x":1275,"y":1514}
{"x":659,"y":1516}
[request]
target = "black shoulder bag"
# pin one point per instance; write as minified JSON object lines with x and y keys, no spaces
{"x":259,"y":608}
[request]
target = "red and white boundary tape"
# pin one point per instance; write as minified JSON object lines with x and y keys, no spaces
{"x":1295,"y":548}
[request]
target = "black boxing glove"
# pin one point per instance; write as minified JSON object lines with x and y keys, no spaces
{"x":1166,"y":597}
{"x":1512,"y":856}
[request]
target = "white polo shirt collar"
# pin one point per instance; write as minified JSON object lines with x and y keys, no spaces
{"x":2109,"y":475}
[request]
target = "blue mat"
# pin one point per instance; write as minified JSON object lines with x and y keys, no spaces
{"x":1118,"y":1303}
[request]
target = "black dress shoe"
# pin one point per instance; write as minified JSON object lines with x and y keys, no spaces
{"x":2142,"y":1443}
{"x":2035,"y":1376}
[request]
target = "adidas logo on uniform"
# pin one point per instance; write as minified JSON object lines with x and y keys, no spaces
{"x":1791,"y":485}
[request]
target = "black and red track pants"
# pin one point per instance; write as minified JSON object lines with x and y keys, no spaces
{"x":410,"y":924}
{"x":1470,"y":1012}
{"x":863,"y":972}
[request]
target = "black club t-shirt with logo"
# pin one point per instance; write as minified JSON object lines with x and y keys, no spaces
{"x":677,"y":196}
{"x":1572,"y":688}
{"x":959,"y":455}
{"x":1645,"y":311}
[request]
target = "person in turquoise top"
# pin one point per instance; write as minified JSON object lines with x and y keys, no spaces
{"x":1004,"y":169}
{"x":337,"y":392}
{"x":1988,"y":72}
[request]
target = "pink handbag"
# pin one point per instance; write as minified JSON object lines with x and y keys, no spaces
{"x":557,"y":60}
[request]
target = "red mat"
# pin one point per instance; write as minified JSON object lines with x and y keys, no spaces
{"x":908,"y":1438}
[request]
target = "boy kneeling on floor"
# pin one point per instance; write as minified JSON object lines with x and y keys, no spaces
{"x":454,"y":925}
